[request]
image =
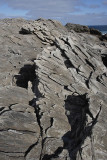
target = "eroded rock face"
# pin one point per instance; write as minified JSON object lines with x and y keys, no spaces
{"x":95,"y":31}
{"x":77,"y":28}
{"x":53,"y":92}
{"x":85,"y":29}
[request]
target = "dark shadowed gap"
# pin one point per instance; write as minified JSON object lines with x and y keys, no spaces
{"x":26,"y":74}
{"x":104,"y":59}
{"x":25,"y":31}
{"x":90,"y":64}
{"x":78,"y":109}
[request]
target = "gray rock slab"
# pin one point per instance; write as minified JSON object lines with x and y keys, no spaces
{"x":53,"y":91}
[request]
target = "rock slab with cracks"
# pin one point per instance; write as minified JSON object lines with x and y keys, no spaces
{"x":53,"y":92}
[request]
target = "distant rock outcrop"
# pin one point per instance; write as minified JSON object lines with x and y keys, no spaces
{"x":83,"y":29}
{"x":53,"y":91}
{"x":95,"y":32}
{"x":77,"y":28}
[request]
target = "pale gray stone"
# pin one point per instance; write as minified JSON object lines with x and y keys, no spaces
{"x":53,"y":92}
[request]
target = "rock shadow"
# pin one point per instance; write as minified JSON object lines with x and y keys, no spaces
{"x":104,"y":59}
{"x":26,"y":74}
{"x":25,"y":31}
{"x":77,"y":111}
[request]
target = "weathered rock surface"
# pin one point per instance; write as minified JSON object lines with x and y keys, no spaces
{"x":53,"y":92}
{"x":77,"y":28}
{"x":95,"y":32}
{"x":85,"y":29}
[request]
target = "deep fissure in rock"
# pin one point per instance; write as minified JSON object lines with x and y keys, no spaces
{"x":51,"y":124}
{"x":1,"y":108}
{"x":88,"y":80}
{"x":90,"y":64}
{"x":68,"y":64}
{"x":30,"y":148}
{"x":104,"y":59}
{"x":54,"y":155}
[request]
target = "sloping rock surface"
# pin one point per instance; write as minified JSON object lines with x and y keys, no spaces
{"x":53,"y":92}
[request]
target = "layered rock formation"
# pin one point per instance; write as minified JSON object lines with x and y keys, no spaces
{"x":53,"y":92}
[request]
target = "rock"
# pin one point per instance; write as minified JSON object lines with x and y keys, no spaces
{"x":104,"y":37}
{"x":84,"y":29}
{"x":77,"y":28}
{"x":27,"y":29}
{"x":53,"y":92}
{"x":95,"y":32}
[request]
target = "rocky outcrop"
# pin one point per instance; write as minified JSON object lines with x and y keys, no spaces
{"x":84,"y":29}
{"x":53,"y":92}
{"x":104,"y":37}
{"x":95,"y":32}
{"x":77,"y":28}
